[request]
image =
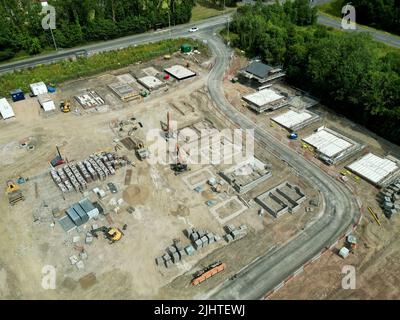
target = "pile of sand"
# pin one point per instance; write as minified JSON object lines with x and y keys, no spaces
{"x":135,"y":195}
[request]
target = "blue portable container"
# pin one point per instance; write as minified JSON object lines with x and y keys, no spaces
{"x":17,"y":95}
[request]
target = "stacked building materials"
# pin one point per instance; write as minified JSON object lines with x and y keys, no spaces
{"x":200,"y":238}
{"x":390,"y":199}
{"x":77,"y":176}
{"x":84,"y":172}
{"x":233,"y":233}
{"x":174,"y":254}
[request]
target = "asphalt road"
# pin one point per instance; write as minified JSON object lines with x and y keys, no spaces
{"x":120,"y":43}
{"x":379,"y":36}
{"x":341,"y":209}
{"x":174,"y":32}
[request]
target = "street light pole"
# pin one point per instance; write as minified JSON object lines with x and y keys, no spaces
{"x":54,"y":40}
{"x":228,"y":21}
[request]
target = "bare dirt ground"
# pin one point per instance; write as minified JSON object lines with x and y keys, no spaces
{"x":31,"y":237}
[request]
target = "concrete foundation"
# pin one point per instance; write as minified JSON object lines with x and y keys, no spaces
{"x":281,"y":199}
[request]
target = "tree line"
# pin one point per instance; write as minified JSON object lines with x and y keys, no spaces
{"x":350,"y":72}
{"x":380,"y":14}
{"x":80,"y":21}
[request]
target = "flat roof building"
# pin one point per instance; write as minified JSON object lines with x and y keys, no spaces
{"x":5,"y":109}
{"x":38,"y":88}
{"x":295,"y":120}
{"x":179,"y":72}
{"x":151,"y":83}
{"x":331,"y":146}
{"x":375,"y":169}
{"x":46,"y":102}
{"x":264,"y":100}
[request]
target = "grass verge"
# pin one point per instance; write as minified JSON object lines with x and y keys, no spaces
{"x":82,"y":67}
{"x":200,"y":12}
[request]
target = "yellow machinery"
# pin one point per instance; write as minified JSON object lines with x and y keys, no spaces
{"x":373,"y":214}
{"x":65,"y":106}
{"x":14,"y":193}
{"x":112,"y":234}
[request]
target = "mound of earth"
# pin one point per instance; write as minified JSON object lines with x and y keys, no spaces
{"x":135,"y":195}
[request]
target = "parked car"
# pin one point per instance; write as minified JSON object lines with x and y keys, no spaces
{"x":112,"y":187}
{"x":193,"y":29}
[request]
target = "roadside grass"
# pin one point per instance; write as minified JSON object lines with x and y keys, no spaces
{"x":334,"y":10}
{"x":200,"y":12}
{"x":21,"y":55}
{"x":82,"y":67}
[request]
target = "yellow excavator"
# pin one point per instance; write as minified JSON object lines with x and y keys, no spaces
{"x":65,"y":106}
{"x":112,"y":234}
{"x":14,"y":193}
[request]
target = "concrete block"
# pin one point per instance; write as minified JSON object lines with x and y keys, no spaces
{"x":171,"y":250}
{"x":211,"y":238}
{"x":95,"y":226}
{"x":189,"y":250}
{"x":88,"y":239}
{"x":198,"y":244}
{"x":73,"y":259}
{"x":166,"y":257}
{"x":75,"y":239}
{"x":168,"y":263}
{"x":80,"y":265}
{"x":217,"y":238}
{"x":83,"y":255}
{"x":188,"y":232}
{"x":204,"y":239}
{"x":228,"y":238}
{"x":175,"y":257}
{"x":201,"y":233}
{"x":178,"y":246}
{"x":237,"y":234}
{"x":194,"y":236}
{"x":159,"y":261}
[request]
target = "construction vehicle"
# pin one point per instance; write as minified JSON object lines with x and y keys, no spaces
{"x":374,"y":215}
{"x":14,"y":193}
{"x":208,"y":272}
{"x":65,"y":106}
{"x":58,"y":160}
{"x":168,"y":133}
{"x":111,"y":234}
{"x":180,"y":166}
{"x":141,"y":151}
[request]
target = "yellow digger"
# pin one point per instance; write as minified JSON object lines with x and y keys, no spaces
{"x":65,"y":106}
{"x":112,"y":234}
{"x":14,"y":193}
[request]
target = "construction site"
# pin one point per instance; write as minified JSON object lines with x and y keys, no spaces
{"x":129,"y":190}
{"x":87,"y":193}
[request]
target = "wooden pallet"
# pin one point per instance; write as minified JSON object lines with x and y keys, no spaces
{"x":15,"y":197}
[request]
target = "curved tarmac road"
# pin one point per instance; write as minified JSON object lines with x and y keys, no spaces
{"x":341,"y":209}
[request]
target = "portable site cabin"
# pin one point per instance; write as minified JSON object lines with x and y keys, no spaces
{"x":38,"y":88}
{"x":17,"y":95}
{"x":185,"y":48}
{"x":5,"y":109}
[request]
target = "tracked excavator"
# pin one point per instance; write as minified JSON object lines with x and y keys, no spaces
{"x":111,"y":234}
